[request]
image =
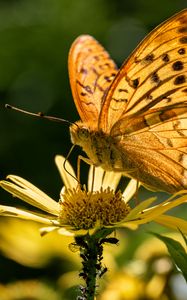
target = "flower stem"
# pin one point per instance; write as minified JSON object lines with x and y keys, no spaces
{"x":91,"y":252}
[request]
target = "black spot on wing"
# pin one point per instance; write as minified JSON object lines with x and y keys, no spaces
{"x":182,"y":30}
{"x":183,"y":19}
{"x":149,"y":58}
{"x":155,"y":78}
{"x":149,"y":96}
{"x":83,"y":71}
{"x":180,"y":79}
{"x":182,"y":51}
{"x":135,"y":83}
{"x":176,"y":126}
{"x":169,"y":142}
{"x":177,"y":66}
{"x":122,"y":90}
{"x":83,"y":94}
{"x":165,"y":57}
{"x":183,"y":40}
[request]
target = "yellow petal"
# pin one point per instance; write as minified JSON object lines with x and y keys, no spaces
{"x":66,"y":172}
{"x":130,"y":190}
{"x":140,"y":215}
{"x":22,"y":214}
{"x":30,"y":194}
{"x":111,"y":179}
{"x":172,"y":222}
{"x":161,"y":208}
{"x":45,"y":230}
{"x":61,"y":230}
{"x":100,"y":178}
{"x":65,"y":232}
{"x":138,"y":210}
{"x":95,"y":178}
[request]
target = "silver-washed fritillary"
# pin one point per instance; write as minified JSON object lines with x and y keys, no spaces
{"x":134,"y":120}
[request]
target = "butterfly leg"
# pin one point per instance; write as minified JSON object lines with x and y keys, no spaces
{"x":136,"y":193}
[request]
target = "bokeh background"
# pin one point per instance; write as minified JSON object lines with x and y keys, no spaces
{"x":35,"y":37}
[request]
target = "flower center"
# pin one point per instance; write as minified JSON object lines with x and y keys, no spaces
{"x":86,"y":210}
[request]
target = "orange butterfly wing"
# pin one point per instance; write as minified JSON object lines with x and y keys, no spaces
{"x":143,"y":107}
{"x":159,"y":150}
{"x":146,"y":106}
{"x":154,"y":76}
{"x":91,"y":73}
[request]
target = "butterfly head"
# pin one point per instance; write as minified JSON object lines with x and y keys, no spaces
{"x":80,"y":133}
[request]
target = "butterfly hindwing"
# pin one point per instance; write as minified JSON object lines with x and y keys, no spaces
{"x":156,"y":143}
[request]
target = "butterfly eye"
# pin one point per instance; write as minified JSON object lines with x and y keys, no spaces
{"x":84,"y":133}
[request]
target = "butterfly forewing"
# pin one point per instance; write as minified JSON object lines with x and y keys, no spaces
{"x":140,"y":112}
{"x":91,"y":73}
{"x":154,"y":75}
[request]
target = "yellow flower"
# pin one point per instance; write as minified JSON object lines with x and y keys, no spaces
{"x":83,"y":209}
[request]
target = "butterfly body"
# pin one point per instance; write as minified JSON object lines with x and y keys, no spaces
{"x":134,"y":120}
{"x":127,"y":157}
{"x":102,"y":149}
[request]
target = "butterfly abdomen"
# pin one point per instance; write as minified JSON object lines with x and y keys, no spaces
{"x":105,"y":151}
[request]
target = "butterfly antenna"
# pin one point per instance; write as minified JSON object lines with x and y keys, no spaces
{"x":39,"y":115}
{"x":64,"y":164}
{"x":51,"y":118}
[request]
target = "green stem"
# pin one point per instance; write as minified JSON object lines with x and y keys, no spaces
{"x":91,"y":252}
{"x":90,"y":266}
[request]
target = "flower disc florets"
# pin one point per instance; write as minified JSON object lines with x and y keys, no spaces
{"x":81,"y":209}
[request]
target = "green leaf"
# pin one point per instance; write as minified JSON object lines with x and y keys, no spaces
{"x":177,"y":252}
{"x":184,"y":237}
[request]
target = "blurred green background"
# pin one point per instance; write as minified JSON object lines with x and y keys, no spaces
{"x":35,"y":37}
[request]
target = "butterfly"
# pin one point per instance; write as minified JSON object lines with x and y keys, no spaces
{"x":134,"y":120}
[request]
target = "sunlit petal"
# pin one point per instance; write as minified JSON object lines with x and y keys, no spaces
{"x":22,"y":214}
{"x":135,"y":212}
{"x":63,"y":231}
{"x":172,"y":222}
{"x":163,"y":207}
{"x":67,"y":173}
{"x":95,"y":178}
{"x":111,"y":179}
{"x":62,"y":192}
{"x":45,"y":230}
{"x":130,"y":190}
{"x":81,"y":210}
{"x":30,"y":194}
